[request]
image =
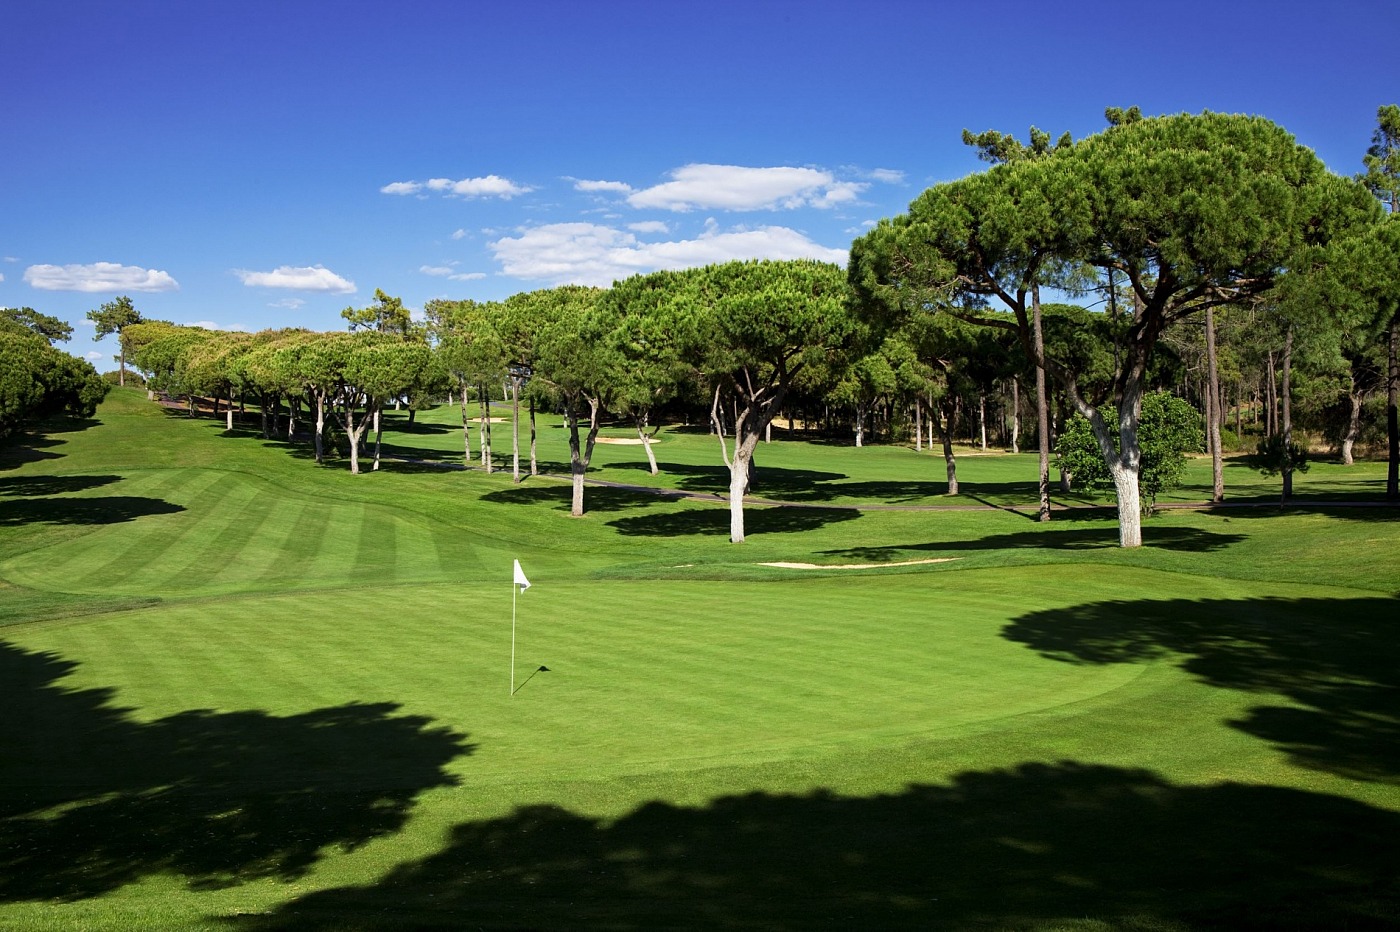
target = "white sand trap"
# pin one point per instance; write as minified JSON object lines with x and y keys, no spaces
{"x":853,"y":566}
{"x":626,"y":441}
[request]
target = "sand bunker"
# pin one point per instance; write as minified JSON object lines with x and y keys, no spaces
{"x":627,"y":441}
{"x":853,"y":566}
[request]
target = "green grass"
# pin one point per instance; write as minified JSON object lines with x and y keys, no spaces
{"x":242,"y":691}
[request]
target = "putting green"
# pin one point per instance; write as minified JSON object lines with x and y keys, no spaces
{"x":643,"y":676}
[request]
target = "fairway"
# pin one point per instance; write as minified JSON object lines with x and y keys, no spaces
{"x":247,"y":692}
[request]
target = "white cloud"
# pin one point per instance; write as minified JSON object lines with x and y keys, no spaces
{"x":734,"y":187}
{"x":589,"y":254}
{"x":301,"y":278}
{"x":649,"y":226}
{"x":619,"y":187}
{"x":290,"y":304}
{"x":98,"y":277}
{"x":888,"y":175}
{"x":94,"y":356}
{"x":2,"y":276}
{"x":459,"y":234}
{"x":487,"y":186}
{"x":449,"y":271}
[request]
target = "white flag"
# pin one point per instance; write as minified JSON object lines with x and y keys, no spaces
{"x":520,"y":579}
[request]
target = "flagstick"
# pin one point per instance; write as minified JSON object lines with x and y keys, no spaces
{"x":514,"y":591}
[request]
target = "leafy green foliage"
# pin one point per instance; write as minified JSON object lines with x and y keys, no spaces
{"x":1168,"y":429}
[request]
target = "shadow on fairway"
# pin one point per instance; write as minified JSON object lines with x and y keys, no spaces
{"x":52,"y":485}
{"x":1193,"y":540}
{"x":111,"y":509}
{"x":769,"y":481}
{"x":1336,"y":661}
{"x":595,"y":498}
{"x":767,"y":519}
{"x":18,"y":452}
{"x":1038,"y":845}
{"x":94,"y":799}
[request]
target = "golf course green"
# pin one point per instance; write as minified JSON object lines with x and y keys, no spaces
{"x":244,"y":692}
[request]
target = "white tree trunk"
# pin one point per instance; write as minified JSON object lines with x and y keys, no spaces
{"x":534,"y":467}
{"x":1125,"y":483}
{"x":646,"y":443}
{"x":982,"y":418}
{"x":1015,"y":415}
{"x":378,"y":438}
{"x":1353,"y":427}
{"x":738,"y":481}
{"x":515,"y":430}
{"x":228,"y":417}
{"x":320,"y":426}
{"x":466,"y":429}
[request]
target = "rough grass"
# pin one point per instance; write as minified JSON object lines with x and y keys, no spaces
{"x":242,"y":691}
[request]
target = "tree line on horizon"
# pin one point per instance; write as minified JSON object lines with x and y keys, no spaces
{"x":1224,"y":265}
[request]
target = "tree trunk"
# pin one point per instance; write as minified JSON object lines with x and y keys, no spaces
{"x":121,"y":361}
{"x":1217,"y":463}
{"x":1287,"y":393}
{"x":646,"y":441}
{"x":1353,"y":424}
{"x":1015,"y":414}
{"x":378,"y":438}
{"x":946,"y":433}
{"x":918,"y":426}
{"x":355,"y":433}
{"x":1125,"y":484}
{"x":485,"y":445}
{"x":578,"y":458}
{"x":1392,"y":412}
{"x":534,"y":467}
{"x":228,"y":417}
{"x":860,"y":424}
{"x":515,"y":430}
{"x":1042,"y":405}
{"x":466,"y":428}
{"x":320,"y":439}
{"x":982,"y":418}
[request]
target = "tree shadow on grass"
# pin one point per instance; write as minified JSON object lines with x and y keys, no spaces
{"x":595,"y":498}
{"x":19,"y":451}
{"x":769,"y":481}
{"x":110,"y":509}
{"x":1039,"y":845}
{"x":1336,"y":662}
{"x":52,"y":485}
{"x":712,"y":521}
{"x":94,"y":799}
{"x":1186,"y":539}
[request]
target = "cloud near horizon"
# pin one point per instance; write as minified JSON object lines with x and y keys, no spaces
{"x":450,"y":272}
{"x":487,"y":186}
{"x":736,"y":187}
{"x":298,"y":278}
{"x":99,"y":277}
{"x":590,"y":254}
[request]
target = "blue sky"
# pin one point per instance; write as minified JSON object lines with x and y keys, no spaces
{"x":260,"y":164}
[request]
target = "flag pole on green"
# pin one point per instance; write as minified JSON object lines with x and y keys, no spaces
{"x":518,"y":585}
